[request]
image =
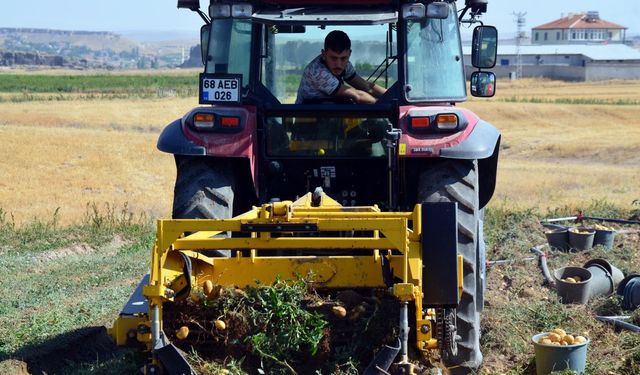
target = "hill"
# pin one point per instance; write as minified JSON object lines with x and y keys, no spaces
{"x":87,"y":49}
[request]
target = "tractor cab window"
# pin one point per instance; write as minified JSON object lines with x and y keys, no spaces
{"x":285,"y":54}
{"x":230,"y":48}
{"x":326,"y":136}
{"x":435,"y":70}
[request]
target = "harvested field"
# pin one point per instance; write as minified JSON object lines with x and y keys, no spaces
{"x":577,"y":152}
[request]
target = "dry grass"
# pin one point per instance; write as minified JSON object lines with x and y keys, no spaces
{"x":544,"y":88}
{"x":51,"y":168}
{"x":138,"y":115}
{"x":70,"y":153}
{"x":565,"y":154}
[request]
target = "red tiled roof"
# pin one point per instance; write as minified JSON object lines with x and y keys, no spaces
{"x":578,"y":21}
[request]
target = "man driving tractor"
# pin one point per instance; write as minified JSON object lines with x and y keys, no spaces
{"x":324,"y":76}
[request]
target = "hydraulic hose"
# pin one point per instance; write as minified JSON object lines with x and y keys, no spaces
{"x":619,"y":323}
{"x":542,"y":263}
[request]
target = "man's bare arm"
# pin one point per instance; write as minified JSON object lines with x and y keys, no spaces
{"x":366,"y":86}
{"x":356,"y":95}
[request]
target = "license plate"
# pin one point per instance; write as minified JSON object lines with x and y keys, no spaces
{"x":220,"y":88}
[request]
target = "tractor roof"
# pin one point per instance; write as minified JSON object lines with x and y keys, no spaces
{"x":349,"y":15}
{"x":326,"y":2}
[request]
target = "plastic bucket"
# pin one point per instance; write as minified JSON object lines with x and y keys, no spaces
{"x":558,"y":238}
{"x":551,"y":358}
{"x":604,"y":238}
{"x":601,"y":281}
{"x":629,"y":289}
{"x":581,"y":241}
{"x":577,"y":292}
{"x":613,"y":270}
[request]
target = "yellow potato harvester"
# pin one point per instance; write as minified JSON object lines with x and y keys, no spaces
{"x":335,"y":247}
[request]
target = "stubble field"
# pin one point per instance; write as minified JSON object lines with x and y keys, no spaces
{"x":562,"y":144}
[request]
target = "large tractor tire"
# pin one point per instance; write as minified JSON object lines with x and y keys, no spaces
{"x":204,"y":190}
{"x":457,"y":181}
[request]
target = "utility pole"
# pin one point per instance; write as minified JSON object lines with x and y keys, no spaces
{"x":520,"y":22}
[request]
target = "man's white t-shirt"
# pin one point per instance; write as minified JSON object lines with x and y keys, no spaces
{"x":318,"y":82}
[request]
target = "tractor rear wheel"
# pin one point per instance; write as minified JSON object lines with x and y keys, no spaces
{"x":204,"y":190}
{"x":457,"y":181}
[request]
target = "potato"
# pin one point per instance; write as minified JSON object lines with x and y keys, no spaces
{"x":195,"y":296}
{"x":339,"y":311}
{"x":569,"y":280}
{"x":559,"y":331}
{"x":207,"y":287}
{"x":568,"y":339}
{"x":554,"y":337}
{"x":220,"y":325}
{"x":545,"y":341}
{"x":182,"y":333}
{"x":577,"y":278}
{"x":580,"y":339}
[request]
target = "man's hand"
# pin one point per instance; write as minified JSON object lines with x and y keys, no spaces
{"x":356,"y":95}
{"x":366,"y":86}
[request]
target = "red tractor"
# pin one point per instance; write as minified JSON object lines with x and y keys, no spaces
{"x":251,"y":143}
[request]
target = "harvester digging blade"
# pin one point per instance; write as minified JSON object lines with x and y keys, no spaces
{"x":173,"y":361}
{"x":383,"y":360}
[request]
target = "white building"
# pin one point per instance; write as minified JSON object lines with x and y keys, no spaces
{"x":578,"y":29}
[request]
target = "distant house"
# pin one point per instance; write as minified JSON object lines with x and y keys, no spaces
{"x":578,"y":29}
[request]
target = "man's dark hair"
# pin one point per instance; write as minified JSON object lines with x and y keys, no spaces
{"x":337,"y":41}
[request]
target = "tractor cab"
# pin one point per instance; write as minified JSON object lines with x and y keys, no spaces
{"x":413,"y":50}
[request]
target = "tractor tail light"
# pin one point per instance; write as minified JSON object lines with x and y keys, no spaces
{"x":225,"y":121}
{"x":230,"y":122}
{"x":420,"y":122}
{"x":447,"y":121}
{"x":204,"y":121}
{"x":432,"y":121}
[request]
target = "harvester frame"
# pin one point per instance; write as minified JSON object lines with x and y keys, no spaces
{"x":387,"y":254}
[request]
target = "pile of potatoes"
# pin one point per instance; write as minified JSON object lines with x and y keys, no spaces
{"x":603,"y":227}
{"x":581,"y":230}
{"x":559,"y":337}
{"x":572,"y":279}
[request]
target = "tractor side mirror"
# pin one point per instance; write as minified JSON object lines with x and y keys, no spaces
{"x":204,"y":42}
{"x":483,"y":84}
{"x":484,"y":47}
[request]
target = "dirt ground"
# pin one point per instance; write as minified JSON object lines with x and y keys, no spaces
{"x":516,"y":297}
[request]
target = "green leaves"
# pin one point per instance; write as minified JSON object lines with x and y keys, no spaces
{"x":280,"y":328}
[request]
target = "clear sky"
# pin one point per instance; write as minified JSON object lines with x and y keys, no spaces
{"x":147,"y":15}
